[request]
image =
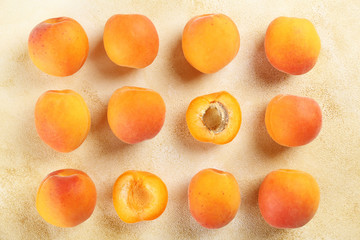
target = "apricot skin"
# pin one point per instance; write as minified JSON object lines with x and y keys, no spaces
{"x":135,"y":114}
{"x":58,"y":46}
{"x":197,"y":109}
{"x":131,"y":40}
{"x":62,"y":119}
{"x":292,"y":120}
{"x":66,"y":198}
{"x":288,"y":198}
{"x":292,"y":45}
{"x":139,"y":196}
{"x":214,"y":198}
{"x":210,"y":42}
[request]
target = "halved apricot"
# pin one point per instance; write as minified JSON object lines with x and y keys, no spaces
{"x":214,"y":118}
{"x":139,"y":196}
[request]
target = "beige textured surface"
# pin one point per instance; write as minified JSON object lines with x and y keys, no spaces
{"x":332,"y":158}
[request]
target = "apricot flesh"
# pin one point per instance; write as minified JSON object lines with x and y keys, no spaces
{"x":292,"y":45}
{"x":131,"y":40}
{"x":139,"y":196}
{"x":214,"y":118}
{"x":292,"y":120}
{"x":214,"y":198}
{"x":210,"y":42}
{"x":288,"y":198}
{"x":58,"y":46}
{"x":62,"y":119}
{"x":66,"y":198}
{"x":136,"y":114}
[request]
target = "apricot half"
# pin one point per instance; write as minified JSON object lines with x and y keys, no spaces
{"x":139,"y":196}
{"x":210,"y":42}
{"x":292,"y":120}
{"x":66,"y":198}
{"x":58,"y":46}
{"x":62,"y":119}
{"x":288,"y":198}
{"x":131,"y":40}
{"x":214,"y":118}
{"x":292,"y":45}
{"x":214,"y":198}
{"x":135,"y":114}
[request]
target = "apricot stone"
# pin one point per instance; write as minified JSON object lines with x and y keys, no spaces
{"x":288,"y":198}
{"x":214,"y":198}
{"x":66,"y":198}
{"x":292,"y":120}
{"x":139,"y":196}
{"x":131,"y":40}
{"x":210,"y":42}
{"x":135,"y":114}
{"x":292,"y":45}
{"x":214,"y":118}
{"x":58,"y":46}
{"x":62,"y":119}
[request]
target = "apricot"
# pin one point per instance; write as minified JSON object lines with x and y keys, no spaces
{"x":292,"y":45}
{"x":131,"y":40}
{"x":214,"y":198}
{"x":210,"y":42}
{"x":288,"y":198}
{"x":139,"y":196}
{"x":66,"y":198}
{"x":135,"y":114}
{"x":58,"y":46}
{"x":214,"y":118}
{"x":62,"y":119}
{"x":292,"y":120}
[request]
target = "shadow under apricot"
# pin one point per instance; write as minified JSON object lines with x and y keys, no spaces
{"x":104,"y":65}
{"x":250,"y":207}
{"x":262,"y":67}
{"x":263,"y":141}
{"x":182,"y":68}
{"x":184,"y":136}
{"x":106,"y":141}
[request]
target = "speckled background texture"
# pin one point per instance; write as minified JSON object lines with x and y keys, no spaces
{"x":333,"y":158}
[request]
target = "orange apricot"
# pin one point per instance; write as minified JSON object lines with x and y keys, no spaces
{"x":214,"y":118}
{"x":66,"y":198}
{"x":288,"y":198}
{"x":131,"y":40}
{"x":292,"y":45}
{"x":58,"y":46}
{"x":210,"y":42}
{"x":62,"y":119}
{"x":214,"y":198}
{"x":135,"y":114}
{"x":139,"y":196}
{"x":292,"y":120}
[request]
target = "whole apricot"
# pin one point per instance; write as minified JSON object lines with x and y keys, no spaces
{"x":210,"y":42}
{"x":292,"y":120}
{"x":139,"y":196}
{"x":214,"y":198}
{"x":292,"y":45}
{"x":135,"y":114}
{"x":214,"y":118}
{"x":131,"y":40}
{"x":62,"y":119}
{"x":288,"y":198}
{"x":66,"y":198}
{"x":58,"y":46}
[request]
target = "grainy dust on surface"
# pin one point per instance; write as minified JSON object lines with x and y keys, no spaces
{"x":332,"y":158}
